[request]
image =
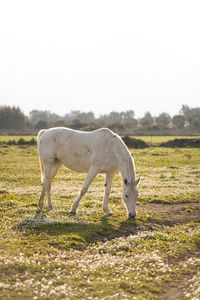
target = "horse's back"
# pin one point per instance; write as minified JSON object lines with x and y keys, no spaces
{"x":77,"y":150}
{"x":63,"y":135}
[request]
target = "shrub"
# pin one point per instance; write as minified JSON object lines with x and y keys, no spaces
{"x":134,"y":143}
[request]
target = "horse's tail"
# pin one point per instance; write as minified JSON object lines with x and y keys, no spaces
{"x":41,"y":164}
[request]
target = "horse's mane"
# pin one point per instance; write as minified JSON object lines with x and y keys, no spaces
{"x":124,"y":155}
{"x":107,"y":134}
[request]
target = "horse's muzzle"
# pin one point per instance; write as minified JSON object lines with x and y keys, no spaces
{"x":131,"y":215}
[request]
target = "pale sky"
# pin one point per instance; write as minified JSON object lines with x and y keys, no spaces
{"x":100,"y":56}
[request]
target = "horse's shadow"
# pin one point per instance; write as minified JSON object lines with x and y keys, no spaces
{"x":102,"y":230}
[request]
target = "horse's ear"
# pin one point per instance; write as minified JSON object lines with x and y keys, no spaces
{"x":137,"y":181}
{"x":125,"y":181}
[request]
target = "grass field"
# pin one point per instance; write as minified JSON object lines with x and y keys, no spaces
{"x":55,"y":256}
{"x":150,"y":140}
{"x":6,"y":138}
{"x":156,"y":140}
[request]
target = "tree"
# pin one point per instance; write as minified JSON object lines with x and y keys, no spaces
{"x":192,"y":115}
{"x":86,"y":117}
{"x":126,"y":115}
{"x":179,"y":121}
{"x":130,"y":123}
{"x":34,"y":115}
{"x":115,"y":116}
{"x":147,"y":120}
{"x":72,"y":115}
{"x":77,"y":124}
{"x":116,"y":126}
{"x":44,"y":115}
{"x":163,"y":120}
{"x":129,"y":114}
{"x":186,"y":112}
{"x":11,"y":118}
{"x":41,"y":125}
{"x":195,"y":123}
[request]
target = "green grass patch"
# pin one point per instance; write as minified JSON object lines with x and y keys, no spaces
{"x":50,"y":255}
{"x":157,"y":140}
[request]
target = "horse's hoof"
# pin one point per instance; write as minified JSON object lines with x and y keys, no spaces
{"x":110,"y":214}
{"x":131,"y":216}
{"x":50,"y":208}
{"x":72,"y":213}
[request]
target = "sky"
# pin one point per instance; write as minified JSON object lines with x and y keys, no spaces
{"x":100,"y":56}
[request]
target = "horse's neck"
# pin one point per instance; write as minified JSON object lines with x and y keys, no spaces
{"x":125,"y":162}
{"x":127,"y":170}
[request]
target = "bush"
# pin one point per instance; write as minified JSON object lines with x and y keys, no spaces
{"x":11,"y":142}
{"x":21,"y":142}
{"x":134,"y":143}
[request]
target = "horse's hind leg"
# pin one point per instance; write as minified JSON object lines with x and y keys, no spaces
{"x":41,"y":200}
{"x":109,"y":179}
{"x":46,"y":186}
{"x":55,"y":168}
{"x":47,"y":181}
{"x":90,"y":177}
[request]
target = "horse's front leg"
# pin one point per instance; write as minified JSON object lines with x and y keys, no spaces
{"x":90,"y":177}
{"x":109,"y":179}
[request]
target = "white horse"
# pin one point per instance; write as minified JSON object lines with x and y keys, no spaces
{"x":99,"y":151}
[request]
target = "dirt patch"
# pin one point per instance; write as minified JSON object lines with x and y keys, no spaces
{"x":163,"y":215}
{"x":173,"y":214}
{"x":175,"y":288}
{"x":178,"y":285}
{"x":182,"y":143}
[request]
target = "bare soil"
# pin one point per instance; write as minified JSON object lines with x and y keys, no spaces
{"x":171,"y":215}
{"x":175,"y":288}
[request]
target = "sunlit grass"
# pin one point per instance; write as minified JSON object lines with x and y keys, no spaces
{"x":156,"y":140}
{"x":55,"y":256}
{"x":150,"y":140}
{"x":6,"y":138}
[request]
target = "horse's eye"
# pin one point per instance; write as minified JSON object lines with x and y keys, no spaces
{"x":126,"y":195}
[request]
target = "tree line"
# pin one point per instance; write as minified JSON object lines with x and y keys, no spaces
{"x":13,"y":120}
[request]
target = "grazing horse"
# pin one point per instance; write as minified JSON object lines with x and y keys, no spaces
{"x":99,"y":151}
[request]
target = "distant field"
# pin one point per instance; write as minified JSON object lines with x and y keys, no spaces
{"x":151,"y":140}
{"x":6,"y":138}
{"x":156,"y":140}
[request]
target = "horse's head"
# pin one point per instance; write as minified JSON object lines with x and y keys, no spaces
{"x":130,"y":194}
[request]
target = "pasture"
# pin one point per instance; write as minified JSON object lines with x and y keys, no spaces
{"x":52,"y":255}
{"x":151,"y":140}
